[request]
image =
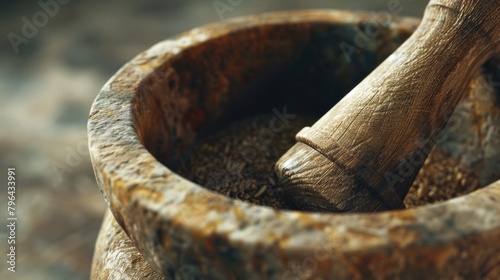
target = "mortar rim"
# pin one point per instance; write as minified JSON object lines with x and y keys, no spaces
{"x":135,"y":184}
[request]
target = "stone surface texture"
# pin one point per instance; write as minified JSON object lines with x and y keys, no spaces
{"x":116,"y":257}
{"x":150,"y":113}
{"x":46,"y":91}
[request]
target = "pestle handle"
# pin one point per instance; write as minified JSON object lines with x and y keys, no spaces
{"x":363,"y":155}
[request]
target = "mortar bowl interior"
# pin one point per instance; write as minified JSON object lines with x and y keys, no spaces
{"x":156,"y":107}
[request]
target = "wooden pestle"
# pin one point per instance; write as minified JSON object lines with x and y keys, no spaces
{"x":363,"y":155}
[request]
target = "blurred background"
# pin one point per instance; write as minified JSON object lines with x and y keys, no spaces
{"x":49,"y":75}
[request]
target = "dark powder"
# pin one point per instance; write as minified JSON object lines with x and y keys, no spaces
{"x":238,"y":161}
{"x":442,"y":177}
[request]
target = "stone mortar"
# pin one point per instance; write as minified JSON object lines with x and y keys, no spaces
{"x":149,"y":114}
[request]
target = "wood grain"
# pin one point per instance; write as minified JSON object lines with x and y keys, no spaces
{"x":363,"y":155}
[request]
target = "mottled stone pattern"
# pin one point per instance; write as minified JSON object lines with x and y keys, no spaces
{"x":139,"y":125}
{"x":115,"y":256}
{"x":46,"y":91}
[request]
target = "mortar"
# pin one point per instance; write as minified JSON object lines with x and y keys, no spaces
{"x":152,"y":111}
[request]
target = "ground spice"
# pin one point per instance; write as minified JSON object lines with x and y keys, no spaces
{"x":238,"y":161}
{"x":442,"y":177}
